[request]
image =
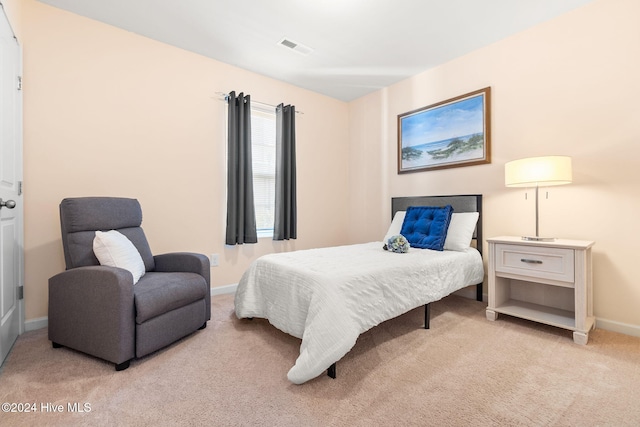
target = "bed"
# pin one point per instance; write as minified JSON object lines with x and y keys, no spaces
{"x":327,"y":297}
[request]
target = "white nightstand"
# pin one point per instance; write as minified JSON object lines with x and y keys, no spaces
{"x":547,"y":282}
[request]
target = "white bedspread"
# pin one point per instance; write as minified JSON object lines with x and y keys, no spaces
{"x":329,"y":296}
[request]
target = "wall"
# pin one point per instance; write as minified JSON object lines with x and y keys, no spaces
{"x":108,"y":112}
{"x":569,"y":87}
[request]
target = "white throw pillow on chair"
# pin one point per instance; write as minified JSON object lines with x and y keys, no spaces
{"x":114,"y":249}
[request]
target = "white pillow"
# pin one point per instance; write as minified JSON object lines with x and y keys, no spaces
{"x":396,"y":225}
{"x":460,"y":231}
{"x":112,"y":248}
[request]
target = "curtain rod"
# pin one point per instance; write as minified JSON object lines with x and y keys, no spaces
{"x":222,"y":96}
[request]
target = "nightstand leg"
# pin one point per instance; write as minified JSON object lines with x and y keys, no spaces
{"x":492,"y":315}
{"x":580,"y":337}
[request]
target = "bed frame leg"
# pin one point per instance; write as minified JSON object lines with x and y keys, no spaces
{"x":427,"y":315}
{"x":479,"y":292}
{"x":332,"y":371}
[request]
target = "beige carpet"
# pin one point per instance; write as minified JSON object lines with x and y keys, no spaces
{"x":465,"y":370}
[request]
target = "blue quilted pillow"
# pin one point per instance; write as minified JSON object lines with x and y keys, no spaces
{"x":425,"y":227}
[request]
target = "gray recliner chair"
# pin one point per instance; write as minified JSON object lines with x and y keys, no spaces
{"x":99,"y":311}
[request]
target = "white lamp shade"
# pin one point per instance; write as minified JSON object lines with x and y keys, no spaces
{"x":538,"y":171}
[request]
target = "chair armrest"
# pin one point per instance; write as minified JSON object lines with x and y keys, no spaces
{"x":91,"y":309}
{"x":184,"y":262}
{"x":187,"y":262}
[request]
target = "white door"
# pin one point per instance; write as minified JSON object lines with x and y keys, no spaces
{"x":11,"y":233}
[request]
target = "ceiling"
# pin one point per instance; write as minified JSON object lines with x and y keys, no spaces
{"x":357,"y":46}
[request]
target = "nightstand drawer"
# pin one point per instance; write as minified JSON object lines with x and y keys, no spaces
{"x":532,"y":261}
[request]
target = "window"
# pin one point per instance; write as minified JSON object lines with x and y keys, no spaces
{"x":263,"y":148}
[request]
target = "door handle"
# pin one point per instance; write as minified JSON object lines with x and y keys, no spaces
{"x":9,"y":204}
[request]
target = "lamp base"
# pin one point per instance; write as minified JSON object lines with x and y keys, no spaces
{"x":538,"y":239}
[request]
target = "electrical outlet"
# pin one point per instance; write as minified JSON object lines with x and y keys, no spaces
{"x":215,"y":260}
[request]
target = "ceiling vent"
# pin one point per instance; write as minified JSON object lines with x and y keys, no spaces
{"x":295,"y":46}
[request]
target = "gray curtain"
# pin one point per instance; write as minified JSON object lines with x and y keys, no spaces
{"x":284,"y":227}
{"x":241,"y":214}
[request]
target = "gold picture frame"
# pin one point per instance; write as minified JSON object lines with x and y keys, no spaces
{"x":452,"y":133}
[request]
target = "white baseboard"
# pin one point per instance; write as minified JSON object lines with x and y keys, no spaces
{"x":33,"y":324}
{"x":608,"y":325}
{"x":226,"y":289}
{"x":43,"y":322}
{"x":613,"y":326}
{"x":470,"y":292}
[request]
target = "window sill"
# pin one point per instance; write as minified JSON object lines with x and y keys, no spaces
{"x":265,"y":234}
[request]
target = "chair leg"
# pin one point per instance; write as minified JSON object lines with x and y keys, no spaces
{"x":204,"y":325}
{"x":331,"y":372}
{"x":55,"y":344}
{"x":122,"y":366}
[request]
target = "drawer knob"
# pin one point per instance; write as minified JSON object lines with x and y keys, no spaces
{"x":531,"y":261}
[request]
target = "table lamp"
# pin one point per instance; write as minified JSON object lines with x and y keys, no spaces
{"x":538,"y":172}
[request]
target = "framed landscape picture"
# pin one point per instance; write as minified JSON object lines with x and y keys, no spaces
{"x":449,"y":134}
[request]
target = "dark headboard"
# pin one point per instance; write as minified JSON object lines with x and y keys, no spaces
{"x":462,"y":203}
